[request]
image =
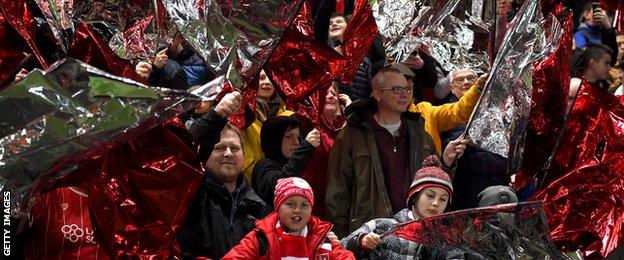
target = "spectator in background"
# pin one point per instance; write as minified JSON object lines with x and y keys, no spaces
{"x":595,"y":65}
{"x":330,"y":122}
{"x":477,"y":168}
{"x":615,"y":73}
{"x":360,"y":86}
{"x":284,"y":154}
{"x":176,"y":66}
{"x":269,"y":103}
{"x":620,"y":90}
{"x":497,"y":195}
{"x":443,"y":117}
{"x":595,"y":29}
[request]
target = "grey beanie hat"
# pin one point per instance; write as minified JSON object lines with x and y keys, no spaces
{"x":495,"y":195}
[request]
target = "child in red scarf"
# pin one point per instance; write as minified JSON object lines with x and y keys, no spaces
{"x":291,"y":232}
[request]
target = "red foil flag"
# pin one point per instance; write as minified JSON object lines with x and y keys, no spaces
{"x":551,"y":81}
{"x":19,"y":16}
{"x":300,"y":63}
{"x":358,"y":38}
{"x":302,"y":66}
{"x":585,"y":201}
{"x":12,"y":52}
{"x":89,"y":48}
{"x":140,"y":192}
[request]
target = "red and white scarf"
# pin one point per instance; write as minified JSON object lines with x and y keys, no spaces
{"x":292,"y":247}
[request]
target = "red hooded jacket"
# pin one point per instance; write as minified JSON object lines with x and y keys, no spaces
{"x":249,"y":247}
{"x":315,"y":172}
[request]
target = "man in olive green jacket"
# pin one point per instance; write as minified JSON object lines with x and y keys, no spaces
{"x":376,"y":154}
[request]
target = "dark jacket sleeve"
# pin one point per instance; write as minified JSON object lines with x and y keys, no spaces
{"x":427,"y":76}
{"x":267,"y":172}
{"x":207,"y":132}
{"x":171,"y":75}
{"x":608,"y":38}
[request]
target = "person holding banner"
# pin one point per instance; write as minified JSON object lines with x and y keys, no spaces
{"x":428,"y":195}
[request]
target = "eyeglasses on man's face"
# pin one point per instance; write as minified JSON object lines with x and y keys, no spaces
{"x":398,"y":89}
{"x":470,"y":79}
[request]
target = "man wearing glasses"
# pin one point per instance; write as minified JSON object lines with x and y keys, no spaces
{"x":376,"y":154}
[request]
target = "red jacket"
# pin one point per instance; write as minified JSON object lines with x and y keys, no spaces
{"x":249,"y":247}
{"x":315,"y":172}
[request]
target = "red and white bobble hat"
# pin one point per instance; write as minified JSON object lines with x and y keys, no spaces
{"x":289,"y":187}
{"x":430,"y":175}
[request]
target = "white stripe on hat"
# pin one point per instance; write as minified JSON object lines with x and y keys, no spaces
{"x":431,"y":179}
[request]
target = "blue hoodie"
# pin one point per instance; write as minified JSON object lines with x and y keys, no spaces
{"x":587,"y":35}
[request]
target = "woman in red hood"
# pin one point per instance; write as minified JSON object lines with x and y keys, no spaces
{"x":331,"y":122}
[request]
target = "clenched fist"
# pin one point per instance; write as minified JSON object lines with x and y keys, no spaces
{"x":229,"y":104}
{"x":314,"y":137}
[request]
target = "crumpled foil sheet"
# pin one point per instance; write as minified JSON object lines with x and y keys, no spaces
{"x":138,"y":28}
{"x":59,"y":117}
{"x":12,"y":54}
{"x":300,"y":64}
{"x":140,"y":191}
{"x":17,"y":14}
{"x":501,"y":114}
{"x":455,"y":33}
{"x":509,"y":231}
{"x":551,"y":81}
{"x":584,"y":196}
{"x":235,"y":38}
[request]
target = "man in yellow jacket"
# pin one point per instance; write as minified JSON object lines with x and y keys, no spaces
{"x":448,"y":116}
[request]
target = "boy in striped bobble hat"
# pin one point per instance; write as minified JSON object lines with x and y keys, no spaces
{"x":291,"y":232}
{"x":428,"y":195}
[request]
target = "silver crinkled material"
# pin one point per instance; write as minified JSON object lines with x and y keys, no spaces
{"x":454,"y":32}
{"x":58,"y":115}
{"x":235,"y":38}
{"x":500,"y":117}
{"x":138,"y":28}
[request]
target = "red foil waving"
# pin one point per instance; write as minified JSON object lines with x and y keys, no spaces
{"x":358,"y":36}
{"x":584,"y":201}
{"x":22,"y":20}
{"x":11,"y":53}
{"x":551,"y":81}
{"x":89,"y":48}
{"x":140,"y":192}
{"x":299,"y":64}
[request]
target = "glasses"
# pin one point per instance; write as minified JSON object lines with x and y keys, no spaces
{"x":469,"y":79}
{"x":398,"y":90}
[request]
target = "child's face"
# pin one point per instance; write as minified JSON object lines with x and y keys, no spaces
{"x":431,"y":201}
{"x":295,"y":213}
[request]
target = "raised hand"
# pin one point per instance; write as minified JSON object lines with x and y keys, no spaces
{"x":229,"y":104}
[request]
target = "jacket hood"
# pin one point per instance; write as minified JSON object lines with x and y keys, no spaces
{"x":271,"y":135}
{"x":360,"y":110}
{"x":402,"y":216}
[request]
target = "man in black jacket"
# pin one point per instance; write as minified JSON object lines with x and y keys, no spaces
{"x":226,"y":207}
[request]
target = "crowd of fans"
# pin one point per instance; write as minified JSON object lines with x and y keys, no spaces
{"x":388,"y":148}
